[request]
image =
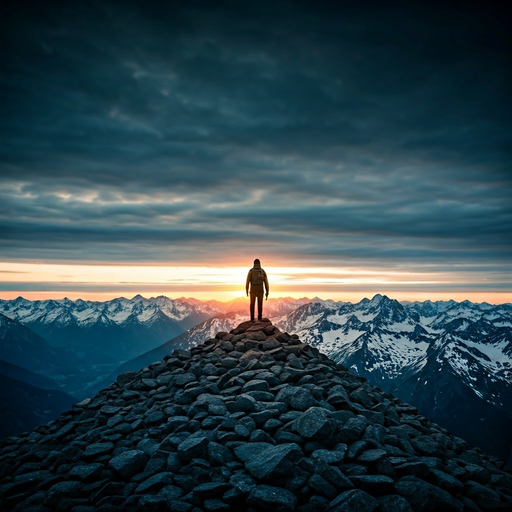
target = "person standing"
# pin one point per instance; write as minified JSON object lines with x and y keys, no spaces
{"x":256,"y":280}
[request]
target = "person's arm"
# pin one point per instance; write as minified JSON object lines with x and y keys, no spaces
{"x":249,"y":275}
{"x":267,"y":287}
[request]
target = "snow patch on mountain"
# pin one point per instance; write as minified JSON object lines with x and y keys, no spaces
{"x":394,"y":340}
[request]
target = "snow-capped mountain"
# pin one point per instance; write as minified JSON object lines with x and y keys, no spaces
{"x":112,"y":330}
{"x":89,"y":312}
{"x":59,"y":313}
{"x":120,"y":329}
{"x":452,"y":360}
{"x":475,"y":339}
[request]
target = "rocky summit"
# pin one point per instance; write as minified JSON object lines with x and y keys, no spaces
{"x":250,"y":420}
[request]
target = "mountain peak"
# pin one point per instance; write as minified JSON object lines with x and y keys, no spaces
{"x":253,"y":418}
{"x":379,"y":299}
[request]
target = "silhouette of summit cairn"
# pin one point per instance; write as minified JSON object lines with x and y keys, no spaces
{"x":249,"y":420}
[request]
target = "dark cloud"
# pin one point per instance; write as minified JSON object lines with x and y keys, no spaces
{"x":146,"y":132}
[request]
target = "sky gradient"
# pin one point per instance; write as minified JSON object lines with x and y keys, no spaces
{"x":354,"y":150}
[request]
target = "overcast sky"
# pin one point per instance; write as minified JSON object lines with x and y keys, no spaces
{"x":365,"y":135}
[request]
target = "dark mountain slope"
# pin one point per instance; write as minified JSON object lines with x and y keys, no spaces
{"x":22,"y":374}
{"x":21,"y":346}
{"x":460,"y":410}
{"x":23,"y":407}
{"x":104,"y":340}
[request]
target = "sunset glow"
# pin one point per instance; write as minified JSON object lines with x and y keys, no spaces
{"x":104,"y":282}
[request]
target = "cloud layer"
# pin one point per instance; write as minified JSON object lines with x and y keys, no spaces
{"x":201,"y":132}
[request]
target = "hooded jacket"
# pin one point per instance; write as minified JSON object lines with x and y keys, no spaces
{"x":257,"y":278}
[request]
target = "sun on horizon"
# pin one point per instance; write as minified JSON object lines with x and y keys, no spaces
{"x":39,"y":281}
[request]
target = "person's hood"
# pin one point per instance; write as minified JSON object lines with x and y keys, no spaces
{"x":257,"y":265}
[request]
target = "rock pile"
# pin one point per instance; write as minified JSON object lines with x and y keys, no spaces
{"x":251,"y":420}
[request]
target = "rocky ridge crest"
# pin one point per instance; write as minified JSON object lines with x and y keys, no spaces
{"x":250,"y":420}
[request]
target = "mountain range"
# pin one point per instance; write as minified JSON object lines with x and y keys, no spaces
{"x":120,"y":329}
{"x":105,"y":332}
{"x":452,"y":360}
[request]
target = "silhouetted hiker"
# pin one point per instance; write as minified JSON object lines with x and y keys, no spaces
{"x":257,"y":277}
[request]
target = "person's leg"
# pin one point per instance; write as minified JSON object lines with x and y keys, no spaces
{"x":253,"y":299}
{"x":260,"y":306}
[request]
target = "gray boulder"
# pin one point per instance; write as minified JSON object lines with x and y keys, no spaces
{"x":274,"y":462}
{"x":193,"y":448}
{"x":129,"y":463}
{"x":313,"y":424}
